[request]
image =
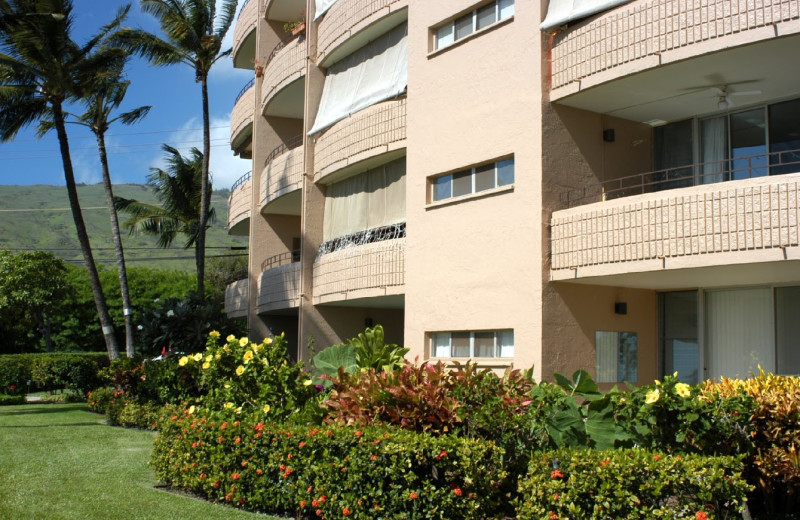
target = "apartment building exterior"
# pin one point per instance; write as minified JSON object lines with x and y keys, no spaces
{"x":565,"y":184}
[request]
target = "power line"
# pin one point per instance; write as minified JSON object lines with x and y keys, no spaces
{"x":151,"y":259}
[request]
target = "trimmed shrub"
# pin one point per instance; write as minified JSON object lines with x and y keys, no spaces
{"x":631,"y":484}
{"x":50,"y":372}
{"x":6,"y":400}
{"x":99,"y":399}
{"x":335,"y":472}
{"x":15,"y":372}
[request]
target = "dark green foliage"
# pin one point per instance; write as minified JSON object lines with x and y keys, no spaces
{"x":51,"y":372}
{"x":158,"y":382}
{"x":8,"y":400}
{"x":631,"y":484}
{"x":15,"y":372}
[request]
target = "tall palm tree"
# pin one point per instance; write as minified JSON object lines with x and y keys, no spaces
{"x":194,"y":34}
{"x":41,"y":69}
{"x":178,"y":190}
{"x":104,"y":99}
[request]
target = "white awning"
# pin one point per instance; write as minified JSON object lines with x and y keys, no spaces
{"x":373,"y":73}
{"x":560,"y":12}
{"x":322,"y":7}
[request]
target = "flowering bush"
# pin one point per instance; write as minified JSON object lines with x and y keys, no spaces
{"x":331,"y":472}
{"x":99,"y":399}
{"x":631,"y":484}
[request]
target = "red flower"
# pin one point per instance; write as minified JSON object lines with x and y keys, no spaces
{"x":359,"y":433}
{"x":216,"y":484}
{"x":553,"y":516}
{"x":228,"y":497}
{"x":241,"y":500}
{"x":223,"y":426}
{"x":237,"y":440}
{"x":345,"y":511}
{"x":605,"y":462}
{"x":556,"y":473}
{"x":373,"y":457}
{"x":323,"y":499}
{"x":318,"y":512}
{"x":302,"y":444}
{"x":457,"y":492}
{"x":13,"y":387}
{"x":236,"y":423}
{"x":259,"y":427}
{"x":315,"y":503}
{"x":441,"y":455}
{"x":555,"y":497}
{"x":302,"y":504}
{"x":413,"y":495}
{"x":194,"y":444}
{"x":235,"y":476}
{"x":244,"y":463}
{"x":656,"y":457}
{"x":701,"y":515}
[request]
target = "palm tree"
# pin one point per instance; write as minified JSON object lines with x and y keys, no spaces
{"x":41,"y":69}
{"x":101,"y":102}
{"x":178,"y":190}
{"x":194,"y":37}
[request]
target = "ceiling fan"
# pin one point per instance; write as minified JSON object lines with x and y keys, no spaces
{"x":724,"y":95}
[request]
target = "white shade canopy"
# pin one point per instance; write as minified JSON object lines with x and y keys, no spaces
{"x":560,"y":12}
{"x":322,"y":7}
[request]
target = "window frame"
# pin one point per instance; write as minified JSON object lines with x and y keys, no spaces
{"x":435,"y":182}
{"x":497,"y":348}
{"x":620,"y":356}
{"x":450,"y":37}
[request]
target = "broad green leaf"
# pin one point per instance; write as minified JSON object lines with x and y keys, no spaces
{"x":329,"y":360}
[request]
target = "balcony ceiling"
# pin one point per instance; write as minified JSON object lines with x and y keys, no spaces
{"x":683,"y":89}
{"x":286,"y":10}
{"x":289,"y":101}
{"x":289,"y":204}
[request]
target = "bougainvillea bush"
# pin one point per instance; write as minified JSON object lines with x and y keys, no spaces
{"x":331,"y":472}
{"x":631,"y":484}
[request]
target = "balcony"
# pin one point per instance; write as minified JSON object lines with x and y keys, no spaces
{"x":369,"y":137}
{"x":285,"y":10}
{"x":657,"y":59}
{"x":244,"y":35}
{"x":236,"y":299}
{"x":284,"y":80}
{"x":239,"y":202}
{"x":719,"y":234}
{"x":283,"y":178}
{"x":279,"y":287}
{"x":242,"y":121}
{"x":373,"y":271}
{"x":351,"y":24}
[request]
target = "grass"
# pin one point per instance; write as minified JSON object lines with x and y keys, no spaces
{"x":59,"y":461}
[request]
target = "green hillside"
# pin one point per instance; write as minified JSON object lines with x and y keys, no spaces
{"x":38,"y":217}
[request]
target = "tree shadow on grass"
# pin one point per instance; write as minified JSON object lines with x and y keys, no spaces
{"x":40,"y":408}
{"x":58,"y":425}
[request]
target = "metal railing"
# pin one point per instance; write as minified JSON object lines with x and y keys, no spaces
{"x":286,"y":40}
{"x":287,"y":258}
{"x":247,"y":87}
{"x":239,"y":182}
{"x":242,"y":9}
{"x":745,"y":167}
{"x":290,"y":144}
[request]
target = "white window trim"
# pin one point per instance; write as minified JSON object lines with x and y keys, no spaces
{"x":435,"y":48}
{"x":497,"y":347}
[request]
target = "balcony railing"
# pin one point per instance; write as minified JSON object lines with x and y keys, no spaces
{"x":286,"y":62}
{"x":240,"y":181}
{"x":290,"y":144}
{"x":347,"y":17}
{"x":746,"y":167}
{"x":287,"y":258}
{"x":244,"y":89}
{"x":236,"y":298}
{"x":242,"y":8}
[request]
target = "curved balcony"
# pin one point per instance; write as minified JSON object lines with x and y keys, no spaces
{"x":237,"y":299}
{"x":284,"y":80}
{"x":374,"y":135}
{"x":285,"y":10}
{"x":374,"y":271}
{"x":658,"y":59}
{"x":244,"y":35}
{"x":283,"y":178}
{"x":242,"y":120}
{"x":350,"y":24}
{"x":722,"y":234}
{"x":279,"y":286}
{"x":239,"y":206}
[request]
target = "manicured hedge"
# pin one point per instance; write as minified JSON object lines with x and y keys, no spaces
{"x":331,"y":472}
{"x":52,"y":371}
{"x":6,"y":400}
{"x":631,"y":484}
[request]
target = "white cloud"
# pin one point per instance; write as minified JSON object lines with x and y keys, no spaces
{"x":87,"y":169}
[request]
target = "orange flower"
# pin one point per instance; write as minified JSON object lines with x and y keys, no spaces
{"x":556,"y":473}
{"x":237,"y":440}
{"x":413,"y":495}
{"x":235,"y":476}
{"x":701,"y":515}
{"x":345,"y":511}
{"x":457,"y":492}
{"x":441,"y":455}
{"x":302,"y":504}
{"x":302,"y":444}
{"x":315,"y":503}
{"x":359,"y":433}
{"x":223,"y":426}
{"x":323,"y":499}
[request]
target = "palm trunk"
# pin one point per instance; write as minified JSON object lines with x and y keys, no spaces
{"x":205,"y":195}
{"x":83,"y":237}
{"x":127,"y":308}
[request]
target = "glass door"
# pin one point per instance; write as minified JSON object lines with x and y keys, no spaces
{"x":678,"y":335}
{"x":748,"y":144}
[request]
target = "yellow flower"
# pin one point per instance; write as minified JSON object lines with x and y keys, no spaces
{"x":239,"y":370}
{"x":214,"y":334}
{"x":183,"y":360}
{"x":265,"y":361}
{"x":229,"y":405}
{"x":197,"y":357}
{"x":248,"y":356}
{"x":652,"y":396}
{"x":257,"y":347}
{"x":683,"y":390}
{"x":266,"y":408}
{"x":307,"y":382}
{"x":192,"y":409}
{"x":238,"y":410}
{"x":230,"y":338}
{"x":217,"y":355}
{"x":209,"y":357}
{"x":267,"y":341}
{"x":227,"y":385}
{"x":206,"y":365}
{"x":243,"y":342}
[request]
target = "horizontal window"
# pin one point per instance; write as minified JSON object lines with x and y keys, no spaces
{"x":473,"y":21}
{"x":473,"y":180}
{"x":476,"y":344}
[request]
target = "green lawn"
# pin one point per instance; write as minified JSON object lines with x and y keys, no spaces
{"x":62,"y":462}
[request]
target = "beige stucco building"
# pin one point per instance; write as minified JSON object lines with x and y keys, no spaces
{"x":569,"y":184}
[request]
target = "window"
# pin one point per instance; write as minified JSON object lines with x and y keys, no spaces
{"x":473,"y":180}
{"x":476,"y":20}
{"x":479,"y":344}
{"x":616,"y":356}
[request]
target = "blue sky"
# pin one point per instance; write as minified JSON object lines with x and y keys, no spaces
{"x":175,"y":119}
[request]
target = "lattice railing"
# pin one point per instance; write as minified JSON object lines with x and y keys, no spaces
{"x":280,"y":287}
{"x":337,"y":24}
{"x":378,"y":265}
{"x":283,"y":174}
{"x":287,"y":64}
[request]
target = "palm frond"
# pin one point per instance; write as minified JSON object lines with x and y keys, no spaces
{"x":148,"y":46}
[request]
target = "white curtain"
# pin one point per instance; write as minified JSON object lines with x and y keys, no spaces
{"x":714,"y":139}
{"x":369,"y":200}
{"x":606,"y":346}
{"x":322,"y":7}
{"x":562,"y":11}
{"x":375,"y":72}
{"x":740,"y":332}
{"x":505,"y":340}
